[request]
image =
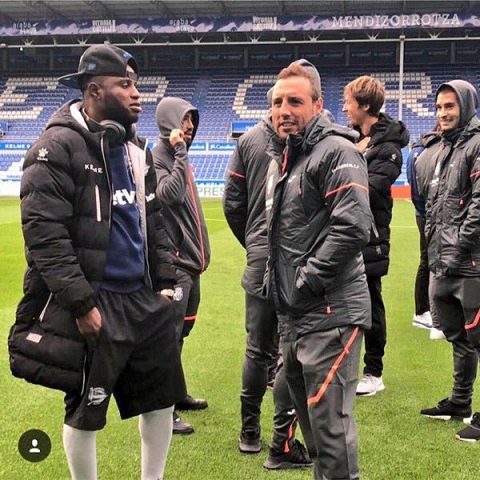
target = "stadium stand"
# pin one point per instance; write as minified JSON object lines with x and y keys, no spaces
{"x":223,"y":57}
{"x":27,"y":103}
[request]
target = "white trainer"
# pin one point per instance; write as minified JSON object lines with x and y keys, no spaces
{"x":422,"y":321}
{"x":369,"y":385}
{"x":436,"y":334}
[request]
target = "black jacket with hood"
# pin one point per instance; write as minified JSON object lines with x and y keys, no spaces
{"x":177,"y":189}
{"x":384,"y":162}
{"x":421,"y":169}
{"x":453,"y":205}
{"x":66,"y":201}
{"x":244,"y":200}
{"x":319,"y":220}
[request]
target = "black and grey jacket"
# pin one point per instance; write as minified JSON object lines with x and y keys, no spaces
{"x":384,"y":162}
{"x":244,"y":200}
{"x":177,"y":190}
{"x":66,"y":199}
{"x":319,"y":220}
{"x":453,"y":205}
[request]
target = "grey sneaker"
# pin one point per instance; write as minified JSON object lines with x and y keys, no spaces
{"x":423,"y":321}
{"x":369,"y":385}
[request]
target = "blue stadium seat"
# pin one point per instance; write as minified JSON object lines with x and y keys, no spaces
{"x":26,"y":103}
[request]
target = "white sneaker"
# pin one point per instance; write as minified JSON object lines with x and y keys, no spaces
{"x":436,"y":334}
{"x":422,"y":321}
{"x":369,"y":385}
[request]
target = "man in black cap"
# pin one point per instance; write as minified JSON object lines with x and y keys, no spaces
{"x":99,"y":277}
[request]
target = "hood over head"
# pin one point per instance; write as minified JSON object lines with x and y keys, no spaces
{"x":170,"y":114}
{"x":467,"y":98}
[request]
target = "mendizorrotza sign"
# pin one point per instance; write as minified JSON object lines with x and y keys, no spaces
{"x":239,"y":24}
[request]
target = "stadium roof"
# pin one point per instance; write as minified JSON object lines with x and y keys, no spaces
{"x":28,"y":10}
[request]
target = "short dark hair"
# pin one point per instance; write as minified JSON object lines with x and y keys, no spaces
{"x":296,"y":70}
{"x":367,"y":90}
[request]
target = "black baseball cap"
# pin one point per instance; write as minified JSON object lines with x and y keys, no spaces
{"x":105,"y":60}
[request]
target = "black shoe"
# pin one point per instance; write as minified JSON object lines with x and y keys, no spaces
{"x":180,"y":427}
{"x":446,"y":410}
{"x":472,"y":432}
{"x":190,"y":403}
{"x":250,"y":441}
{"x":296,"y":457}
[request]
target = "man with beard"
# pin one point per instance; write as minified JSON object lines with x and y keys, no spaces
{"x":318,"y":220}
{"x":453,"y":232}
{"x":244,"y":208}
{"x":99,"y":275}
{"x":177,"y":122}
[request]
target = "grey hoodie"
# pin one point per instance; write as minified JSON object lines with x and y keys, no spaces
{"x":453,"y":205}
{"x":170,"y":113}
{"x":467,"y":98}
{"x":177,"y":190}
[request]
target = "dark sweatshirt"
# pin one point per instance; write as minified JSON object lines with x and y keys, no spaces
{"x":177,"y":190}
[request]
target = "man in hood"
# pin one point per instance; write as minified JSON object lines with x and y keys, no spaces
{"x":318,"y":220}
{"x":177,"y":122}
{"x":453,"y":236}
{"x":381,"y":140}
{"x":96,"y":320}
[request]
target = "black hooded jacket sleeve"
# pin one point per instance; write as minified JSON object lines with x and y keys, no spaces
{"x":244,"y":200}
{"x":384,"y":162}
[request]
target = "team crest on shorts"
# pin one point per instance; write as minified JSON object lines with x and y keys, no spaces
{"x":96,"y":395}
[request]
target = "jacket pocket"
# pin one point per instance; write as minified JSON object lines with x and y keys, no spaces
{"x":304,"y":299}
{"x":43,"y":353}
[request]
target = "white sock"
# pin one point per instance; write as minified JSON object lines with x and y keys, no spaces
{"x":156,"y":433}
{"x":80,"y":449}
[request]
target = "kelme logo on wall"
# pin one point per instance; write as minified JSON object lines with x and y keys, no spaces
{"x":20,"y":146}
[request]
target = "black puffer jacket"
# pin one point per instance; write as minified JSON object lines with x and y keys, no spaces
{"x":319,"y":219}
{"x":66,"y":201}
{"x":244,"y":200}
{"x":453,"y":205}
{"x":384,"y":161}
{"x":177,"y":189}
{"x":423,"y":168}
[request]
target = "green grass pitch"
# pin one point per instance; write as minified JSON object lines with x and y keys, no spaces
{"x":395,"y":441}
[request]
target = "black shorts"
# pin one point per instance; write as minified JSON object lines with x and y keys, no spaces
{"x":136,"y":358}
